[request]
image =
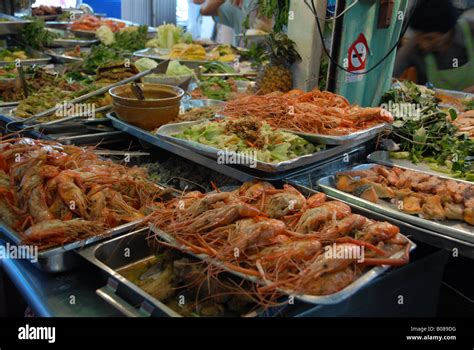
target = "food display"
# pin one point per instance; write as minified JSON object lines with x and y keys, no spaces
{"x":44,"y":10}
{"x":428,"y":134}
{"x":198,"y":113}
{"x":180,"y":170}
{"x":280,"y":244}
{"x":13,"y":54}
{"x":54,"y":194}
{"x":91,"y":23}
{"x":216,"y":89}
{"x":247,"y":135}
{"x":428,"y":196}
{"x":315,"y":112}
{"x":168,"y":35}
{"x":188,"y":52}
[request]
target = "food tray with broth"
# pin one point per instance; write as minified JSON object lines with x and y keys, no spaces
{"x":154,"y":278}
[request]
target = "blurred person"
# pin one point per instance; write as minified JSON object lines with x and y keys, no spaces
{"x":441,"y":51}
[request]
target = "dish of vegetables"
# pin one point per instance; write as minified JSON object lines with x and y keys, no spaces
{"x":249,"y":135}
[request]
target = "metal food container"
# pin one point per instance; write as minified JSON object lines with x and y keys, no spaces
{"x":339,"y":140}
{"x":61,"y":259}
{"x":59,"y":55}
{"x":383,"y":158}
{"x":450,"y":228}
{"x":34,"y":58}
{"x":120,"y":292}
{"x":12,"y":26}
{"x":335,"y":298}
{"x":165,"y":133}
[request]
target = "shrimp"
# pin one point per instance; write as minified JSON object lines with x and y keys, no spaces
{"x":312,"y":219}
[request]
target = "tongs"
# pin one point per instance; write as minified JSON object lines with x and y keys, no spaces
{"x":160,"y":68}
{"x":68,"y":119}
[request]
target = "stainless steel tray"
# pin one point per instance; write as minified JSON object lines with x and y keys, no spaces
{"x":13,"y":26}
{"x":339,"y":140}
{"x":449,"y":228}
{"x":166,"y":131}
{"x":120,"y":292}
{"x":61,"y":259}
{"x":39,"y":58}
{"x":383,"y":158}
{"x":59,"y":55}
{"x":65,"y":42}
{"x":155,"y":54}
{"x":335,"y":298}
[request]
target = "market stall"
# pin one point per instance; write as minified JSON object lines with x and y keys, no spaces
{"x":150,"y":173}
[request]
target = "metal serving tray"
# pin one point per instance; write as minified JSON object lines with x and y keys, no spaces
{"x":163,"y":55}
{"x":166,"y":131}
{"x":449,"y":228}
{"x":39,"y":58}
{"x":120,"y":292}
{"x":383,"y":158}
{"x":61,"y":259}
{"x":339,"y":140}
{"x":13,"y":26}
{"x":335,"y":298}
{"x":59,"y":55}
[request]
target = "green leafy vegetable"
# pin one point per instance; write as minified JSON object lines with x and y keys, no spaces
{"x":35,"y":34}
{"x":428,"y":135}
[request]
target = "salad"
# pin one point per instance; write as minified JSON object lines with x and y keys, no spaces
{"x":249,"y":135}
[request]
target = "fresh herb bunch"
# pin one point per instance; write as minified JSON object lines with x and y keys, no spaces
{"x":131,"y":39}
{"x":216,"y":89}
{"x":36,"y":35}
{"x":99,"y":55}
{"x":429,"y":135}
{"x":277,"y":9}
{"x":256,"y":54}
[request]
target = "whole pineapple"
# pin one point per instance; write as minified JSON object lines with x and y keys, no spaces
{"x":276,"y":75}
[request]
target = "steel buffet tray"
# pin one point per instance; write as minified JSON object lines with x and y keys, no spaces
{"x":339,"y":140}
{"x":451,"y":228}
{"x":12,"y":26}
{"x":240,"y":173}
{"x":35,"y":57}
{"x":166,"y":131}
{"x":61,"y":259}
{"x":121,"y":293}
{"x":383,"y":158}
{"x":59,"y":55}
{"x":163,"y":55}
{"x":335,"y":298}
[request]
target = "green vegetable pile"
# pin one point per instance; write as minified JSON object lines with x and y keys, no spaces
{"x":429,"y":136}
{"x":246,"y":136}
{"x":36,"y":35}
{"x":168,"y":35}
{"x":216,"y":89}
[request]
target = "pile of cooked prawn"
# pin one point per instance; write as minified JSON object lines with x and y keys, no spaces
{"x":314,"y":112}
{"x":292,"y":243}
{"x":55,"y":194}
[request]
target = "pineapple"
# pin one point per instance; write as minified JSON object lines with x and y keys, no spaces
{"x":276,"y":75}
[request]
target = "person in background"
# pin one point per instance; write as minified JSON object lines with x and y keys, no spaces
{"x":229,"y":13}
{"x":441,"y":51}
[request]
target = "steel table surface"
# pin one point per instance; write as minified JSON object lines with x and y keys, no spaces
{"x":49,"y":295}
